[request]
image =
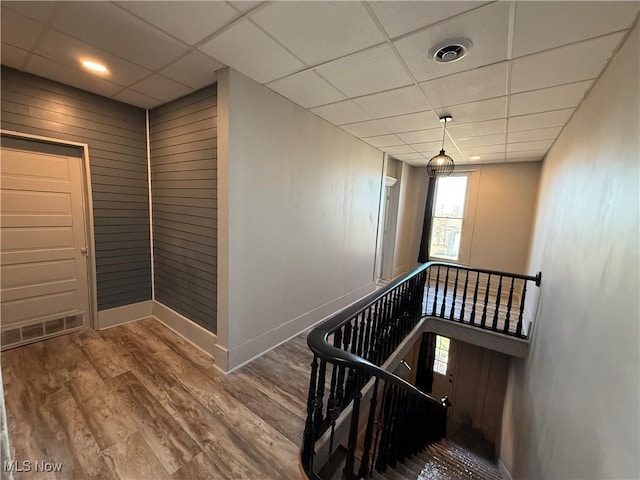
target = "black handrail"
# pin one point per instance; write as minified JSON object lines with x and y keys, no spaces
{"x":351,"y":346}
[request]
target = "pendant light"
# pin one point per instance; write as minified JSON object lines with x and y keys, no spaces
{"x":442,"y":164}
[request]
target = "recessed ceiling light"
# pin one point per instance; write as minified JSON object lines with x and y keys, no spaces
{"x":94,"y":66}
{"x":476,"y":157}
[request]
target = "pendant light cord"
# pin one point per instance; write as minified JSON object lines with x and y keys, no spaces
{"x":443,"y":133}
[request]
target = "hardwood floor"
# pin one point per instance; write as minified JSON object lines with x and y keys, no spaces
{"x":139,"y":402}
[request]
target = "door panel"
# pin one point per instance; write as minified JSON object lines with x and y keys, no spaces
{"x":42,"y":265}
{"x":443,"y":383}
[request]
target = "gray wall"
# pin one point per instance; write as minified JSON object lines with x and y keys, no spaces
{"x":115,"y":133}
{"x":571,"y":409}
{"x":183,"y":179}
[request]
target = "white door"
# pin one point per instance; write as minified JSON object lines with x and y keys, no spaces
{"x":43,"y":262}
{"x":443,"y":369}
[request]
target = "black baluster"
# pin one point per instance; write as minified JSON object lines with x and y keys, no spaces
{"x":475,"y":299}
{"x":379,"y":426}
{"x":455,"y":293}
{"x":348,"y":472}
{"x":519,"y":326}
{"x":332,"y":405}
{"x":341,"y":370}
{"x":435,"y":297}
{"x":444,"y":294}
{"x":309,"y":440}
{"x":317,"y":401}
{"x":483,"y":320}
{"x":508,"y":317}
{"x":366,"y":353}
{"x":494,"y":327}
{"x":368,"y":435}
{"x":464,"y":296}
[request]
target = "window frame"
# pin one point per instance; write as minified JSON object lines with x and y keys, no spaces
{"x":466,"y":228}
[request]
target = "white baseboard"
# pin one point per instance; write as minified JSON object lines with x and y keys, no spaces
{"x":189,"y":330}
{"x":503,"y":470}
{"x":125,"y":314}
{"x":244,"y":353}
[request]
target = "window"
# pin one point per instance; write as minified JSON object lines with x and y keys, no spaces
{"x":442,"y":355}
{"x":448,"y":214}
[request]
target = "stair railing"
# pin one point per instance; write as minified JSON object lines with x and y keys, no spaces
{"x":390,"y":419}
{"x":485,"y":299}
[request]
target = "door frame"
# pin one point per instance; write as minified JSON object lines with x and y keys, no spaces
{"x":87,"y":208}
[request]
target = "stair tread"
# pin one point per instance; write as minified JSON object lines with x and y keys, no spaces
{"x":442,"y":460}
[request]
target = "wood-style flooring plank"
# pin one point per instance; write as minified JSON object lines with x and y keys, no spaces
{"x":139,"y":402}
{"x":163,"y":434}
{"x":68,"y":440}
{"x":200,"y":467}
{"x":133,"y":459}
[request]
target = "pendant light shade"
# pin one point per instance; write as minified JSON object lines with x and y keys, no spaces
{"x":442,"y":164}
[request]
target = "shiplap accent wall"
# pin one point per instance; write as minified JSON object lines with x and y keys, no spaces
{"x":115,"y":133}
{"x":183,"y":139}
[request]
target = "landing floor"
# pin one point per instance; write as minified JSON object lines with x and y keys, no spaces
{"x":138,"y":402}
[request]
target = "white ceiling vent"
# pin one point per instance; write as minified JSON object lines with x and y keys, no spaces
{"x":450,"y":50}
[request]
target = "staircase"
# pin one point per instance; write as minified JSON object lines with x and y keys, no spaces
{"x":390,"y":429}
{"x":443,"y":460}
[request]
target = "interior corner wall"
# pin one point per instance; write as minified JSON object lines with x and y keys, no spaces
{"x":115,"y":134}
{"x":183,"y":148}
{"x":501,"y":215}
{"x":572,"y":407}
{"x":412,"y":196}
{"x":301,"y":213}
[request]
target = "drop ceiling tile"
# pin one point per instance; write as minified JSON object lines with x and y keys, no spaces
{"x":384,"y":141}
{"x":162,"y":88}
{"x":399,"y":18}
{"x":470,"y":86}
{"x":429,"y":149}
{"x":393,"y":102}
{"x":190,"y":23}
{"x":196,"y":70}
{"x":543,"y":25}
{"x":553,"y":98}
{"x":341,"y":113}
{"x":412,"y":122}
{"x":481,"y":141}
{"x":399,"y":150}
{"x":44,"y":67}
{"x":533,"y":135}
{"x":137,"y":99}
{"x":420,"y":136}
{"x":370,"y":71}
{"x":307,"y":89}
{"x":70,"y":51}
{"x":487,"y":27}
{"x":319,"y":31}
{"x":367,"y":129}
{"x":536,"y":158}
{"x":487,"y":158}
{"x":117,"y":31}
{"x":490,"y":127}
{"x":527,"y":146}
{"x":13,"y":57}
{"x":40,"y":11}
{"x":527,"y":155}
{"x":556,"y":118}
{"x":581,"y":61}
{"x":410,"y":156}
{"x":245,"y":5}
{"x":249,"y":50}
{"x":19,"y":31}
{"x":483,"y":151}
{"x":477,"y":111}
